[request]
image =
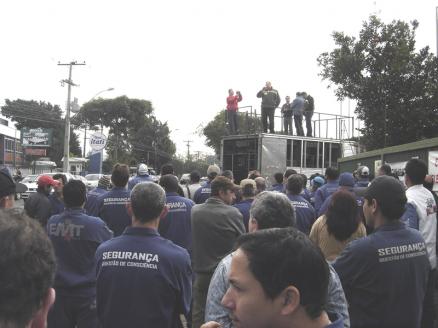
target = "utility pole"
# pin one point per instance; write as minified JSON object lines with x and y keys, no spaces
{"x":66,"y":166}
{"x":188,"y":148}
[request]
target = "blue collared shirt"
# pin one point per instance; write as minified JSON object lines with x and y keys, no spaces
{"x":143,"y":280}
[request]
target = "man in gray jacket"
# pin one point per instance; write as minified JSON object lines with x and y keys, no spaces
{"x":270,"y":101}
{"x":215,"y":228}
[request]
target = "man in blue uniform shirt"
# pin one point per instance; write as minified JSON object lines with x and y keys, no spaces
{"x":91,"y":205}
{"x":142,"y":176}
{"x":248,"y":188}
{"x":385,"y":274}
{"x":278,"y":185}
{"x":363,"y":173}
{"x":305,"y":213}
{"x":203,"y":193}
{"x":331,"y":176}
{"x":143,"y":279}
{"x":75,"y":237}
{"x":112,"y":206}
{"x":176,"y":224}
{"x":278,"y":279}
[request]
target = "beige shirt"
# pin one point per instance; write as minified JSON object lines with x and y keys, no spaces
{"x":329,"y":245}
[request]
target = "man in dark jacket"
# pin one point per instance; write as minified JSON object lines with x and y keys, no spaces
{"x":56,"y":198}
{"x":38,"y":205}
{"x":286,"y":111}
{"x":270,"y":101}
{"x":91,"y":205}
{"x":309,"y":107}
{"x":374,"y":270}
{"x":75,"y":237}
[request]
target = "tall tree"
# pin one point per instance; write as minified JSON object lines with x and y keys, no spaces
{"x":135,"y":135}
{"x":396,"y":87}
{"x":216,"y":129}
{"x":34,"y":114}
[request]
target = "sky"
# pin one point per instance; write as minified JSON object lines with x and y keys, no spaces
{"x":183,"y":56}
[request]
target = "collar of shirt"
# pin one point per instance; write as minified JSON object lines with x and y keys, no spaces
{"x":171,"y":194}
{"x":246,"y":201}
{"x":73,"y":211}
{"x":119,"y":188}
{"x":139,"y":231}
{"x":215,"y":200}
{"x":390,"y":226}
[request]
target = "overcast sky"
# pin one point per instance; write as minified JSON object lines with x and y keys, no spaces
{"x":183,"y":55}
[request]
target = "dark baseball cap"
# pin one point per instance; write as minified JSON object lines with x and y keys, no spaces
{"x":7,"y":184}
{"x":389,"y":194}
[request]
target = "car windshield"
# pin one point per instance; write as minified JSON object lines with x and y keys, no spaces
{"x":92,"y":177}
{"x":29,"y":179}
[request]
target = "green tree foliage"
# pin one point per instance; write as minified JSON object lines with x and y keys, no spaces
{"x":216,"y":129}
{"x":135,"y":135}
{"x":34,"y":114}
{"x":396,"y":87}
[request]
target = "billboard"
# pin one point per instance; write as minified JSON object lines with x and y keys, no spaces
{"x":37,"y":137}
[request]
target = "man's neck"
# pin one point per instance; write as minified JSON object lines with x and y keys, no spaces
{"x":150,"y":224}
{"x":302,"y":319}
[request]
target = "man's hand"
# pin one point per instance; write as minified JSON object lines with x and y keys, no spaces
{"x":211,"y":324}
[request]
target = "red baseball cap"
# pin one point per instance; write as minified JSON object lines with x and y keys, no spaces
{"x":46,"y":180}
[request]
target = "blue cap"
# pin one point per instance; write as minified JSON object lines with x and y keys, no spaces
{"x":318,"y":180}
{"x":346,"y":180}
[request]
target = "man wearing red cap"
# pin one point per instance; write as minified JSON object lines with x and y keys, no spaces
{"x":38,"y":205}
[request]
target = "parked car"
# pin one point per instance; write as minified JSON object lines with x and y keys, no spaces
{"x":93,"y":180}
{"x":30,"y":182}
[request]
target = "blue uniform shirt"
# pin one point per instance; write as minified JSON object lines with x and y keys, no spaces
{"x":143,"y":280}
{"x":56,"y":203}
{"x":362,"y":183}
{"x":203,"y":193}
{"x":325,"y":205}
{"x":279,"y":187}
{"x":75,"y":237}
{"x":306,"y":194}
{"x":176,"y":225}
{"x":112,"y":209}
{"x":139,"y":179}
{"x":324,"y":191}
{"x":243,"y":208}
{"x":92,"y":205}
{"x":384,"y":276}
{"x":305,"y":213}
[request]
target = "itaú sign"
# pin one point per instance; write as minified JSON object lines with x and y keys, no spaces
{"x":98,"y":141}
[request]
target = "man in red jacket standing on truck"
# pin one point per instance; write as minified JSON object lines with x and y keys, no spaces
{"x":232,"y":107}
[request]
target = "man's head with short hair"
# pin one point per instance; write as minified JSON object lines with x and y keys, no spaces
{"x":385,"y":169}
{"x":385,"y":200}
{"x":248,"y":188}
{"x":75,"y":193}
{"x":288,"y":173}
{"x":294,"y":184}
{"x":271,"y":210}
{"x":304,"y":178}
{"x":223,"y":188}
{"x":7,"y":189}
{"x":167,"y":169}
{"x":278,"y":278}
{"x":120,"y":175}
{"x":253,"y":174}
{"x":278,"y":177}
{"x":169,"y":182}
{"x":195,"y":176}
{"x":61,"y":178}
{"x":415,"y":172}
{"x":27,"y":270}
{"x":228,"y":174}
{"x":331,"y":174}
{"x":260,"y":184}
{"x":148,"y":201}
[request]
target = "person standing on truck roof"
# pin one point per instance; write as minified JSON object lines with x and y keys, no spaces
{"x":232,"y":108}
{"x":270,"y":101}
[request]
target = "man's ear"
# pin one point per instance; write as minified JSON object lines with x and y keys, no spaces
{"x":290,"y":300}
{"x":164,"y":212}
{"x":40,"y":318}
{"x":129,"y":209}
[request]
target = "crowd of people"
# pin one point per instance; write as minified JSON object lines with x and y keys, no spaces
{"x":302,"y":106}
{"x":339,"y":250}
